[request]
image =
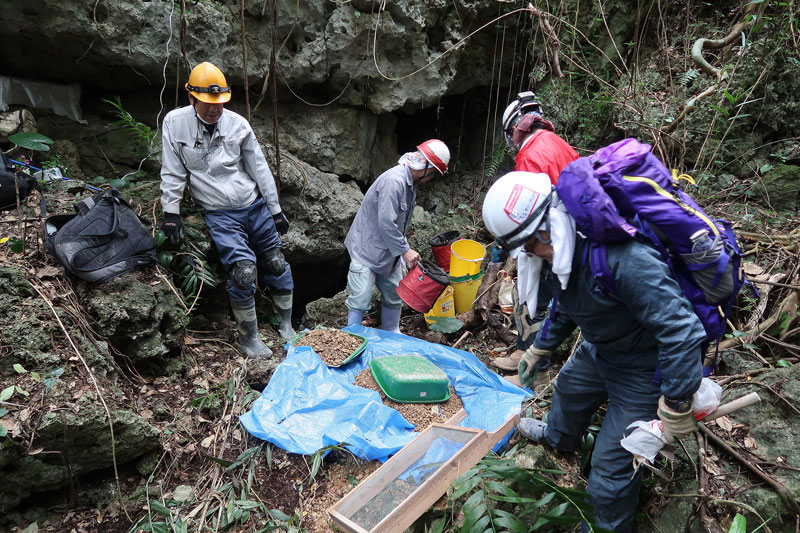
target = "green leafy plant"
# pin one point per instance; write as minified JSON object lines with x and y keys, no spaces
{"x":55,"y":162}
{"x":495,"y":158}
{"x":503,"y":497}
{"x":211,"y":399}
{"x":686,"y":79}
{"x":207,"y":400}
{"x":739,"y":524}
{"x":192,"y":270}
{"x":236,"y":506}
{"x":319,"y":455}
{"x":445,"y":324}
{"x":15,"y":244}
{"x":195,"y":273}
{"x":120,"y":183}
{"x":31,"y":140}
{"x":143,"y":136}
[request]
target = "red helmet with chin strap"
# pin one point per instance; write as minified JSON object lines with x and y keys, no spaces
{"x":437,"y":154}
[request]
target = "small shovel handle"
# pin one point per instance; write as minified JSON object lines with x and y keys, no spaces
{"x":732,"y":406}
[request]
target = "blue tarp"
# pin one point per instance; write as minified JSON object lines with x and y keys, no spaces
{"x":307,"y":406}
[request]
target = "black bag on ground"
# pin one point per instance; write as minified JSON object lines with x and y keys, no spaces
{"x":103,"y":239}
{"x":12,"y":179}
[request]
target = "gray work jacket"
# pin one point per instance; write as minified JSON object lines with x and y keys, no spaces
{"x":377,"y":236}
{"x":224,"y":170}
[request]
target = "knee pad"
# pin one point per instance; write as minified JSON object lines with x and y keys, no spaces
{"x":243,"y":274}
{"x":272,"y":262}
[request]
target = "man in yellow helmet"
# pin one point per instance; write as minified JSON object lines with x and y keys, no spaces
{"x":215,"y":152}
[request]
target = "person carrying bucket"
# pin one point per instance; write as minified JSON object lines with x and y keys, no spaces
{"x":539,"y":150}
{"x":379,"y":250}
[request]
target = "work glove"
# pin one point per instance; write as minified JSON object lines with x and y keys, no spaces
{"x":531,"y":363}
{"x":281,"y":223}
{"x":676,"y":423}
{"x":173,"y":228}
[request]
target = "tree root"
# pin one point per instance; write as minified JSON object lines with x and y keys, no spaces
{"x":733,"y":35}
{"x":550,"y":36}
{"x":705,"y":66}
{"x":786,"y":497}
{"x":788,"y":305}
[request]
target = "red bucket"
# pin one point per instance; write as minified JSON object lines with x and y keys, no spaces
{"x":441,"y":247}
{"x":422,"y":286}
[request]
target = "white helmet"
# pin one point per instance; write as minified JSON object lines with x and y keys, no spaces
{"x":515,"y":207}
{"x":525,"y":103}
{"x":437,"y":153}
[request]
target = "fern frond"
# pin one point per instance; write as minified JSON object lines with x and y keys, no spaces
{"x":495,"y":158}
{"x":686,"y":79}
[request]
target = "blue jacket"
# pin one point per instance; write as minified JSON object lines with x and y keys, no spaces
{"x":377,"y":236}
{"x":653,"y":318}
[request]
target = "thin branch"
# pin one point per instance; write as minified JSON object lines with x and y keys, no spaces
{"x":786,"y":496}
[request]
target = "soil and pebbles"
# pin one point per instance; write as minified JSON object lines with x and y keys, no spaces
{"x":332,"y":345}
{"x":420,"y":414}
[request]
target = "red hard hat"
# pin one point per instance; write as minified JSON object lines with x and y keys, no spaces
{"x":437,"y":154}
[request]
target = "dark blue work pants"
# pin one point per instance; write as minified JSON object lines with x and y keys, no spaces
{"x":585,"y":382}
{"x":244,"y":234}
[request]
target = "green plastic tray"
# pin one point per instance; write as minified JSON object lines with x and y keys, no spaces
{"x":352,"y":357}
{"x":410,"y":379}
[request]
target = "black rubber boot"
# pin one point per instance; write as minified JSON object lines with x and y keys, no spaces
{"x":250,"y":344}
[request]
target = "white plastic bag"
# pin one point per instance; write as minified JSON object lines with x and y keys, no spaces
{"x":648,"y":438}
{"x":49,"y":175}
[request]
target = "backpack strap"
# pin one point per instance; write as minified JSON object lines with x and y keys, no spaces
{"x":553,"y":310}
{"x":85,"y":205}
{"x":604,"y":282}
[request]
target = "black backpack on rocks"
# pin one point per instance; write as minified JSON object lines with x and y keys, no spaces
{"x":103,"y":239}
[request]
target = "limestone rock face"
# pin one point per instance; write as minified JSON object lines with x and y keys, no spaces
{"x":346,"y":141}
{"x":141,"y":319}
{"x":319,"y":207}
{"x":125,"y":46}
{"x":781,"y":187}
{"x":23,"y":323}
{"x":81,"y":434}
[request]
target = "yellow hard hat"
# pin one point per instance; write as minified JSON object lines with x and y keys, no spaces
{"x":207,"y":83}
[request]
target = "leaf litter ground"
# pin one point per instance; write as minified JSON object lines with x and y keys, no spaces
{"x":197,"y":415}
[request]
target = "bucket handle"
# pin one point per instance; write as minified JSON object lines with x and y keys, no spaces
{"x":469,"y":260}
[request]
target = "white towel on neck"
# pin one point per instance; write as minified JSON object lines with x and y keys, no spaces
{"x":529,"y":266}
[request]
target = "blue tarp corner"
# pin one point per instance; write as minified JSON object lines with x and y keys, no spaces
{"x":307,"y":406}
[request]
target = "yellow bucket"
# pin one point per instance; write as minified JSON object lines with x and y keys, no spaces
{"x":465,"y":292}
{"x":442,"y":307}
{"x":466,"y":257}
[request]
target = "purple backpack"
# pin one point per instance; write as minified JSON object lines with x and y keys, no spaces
{"x":623,"y":190}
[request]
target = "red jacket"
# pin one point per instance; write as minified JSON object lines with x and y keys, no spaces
{"x":547,"y":153}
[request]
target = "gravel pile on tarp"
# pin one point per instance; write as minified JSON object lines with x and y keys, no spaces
{"x":420,"y":414}
{"x":333,"y":346}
